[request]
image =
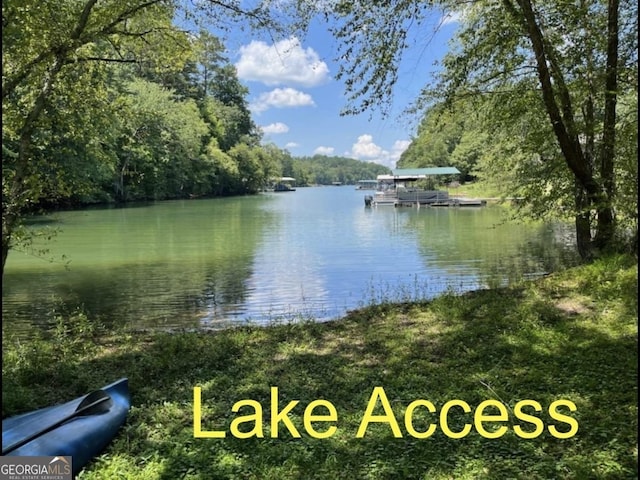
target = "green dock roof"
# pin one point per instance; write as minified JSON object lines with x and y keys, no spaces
{"x":425,"y":172}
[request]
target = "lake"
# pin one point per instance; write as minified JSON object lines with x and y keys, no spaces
{"x":312,"y":253}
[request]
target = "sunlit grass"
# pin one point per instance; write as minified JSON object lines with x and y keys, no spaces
{"x":476,"y":190}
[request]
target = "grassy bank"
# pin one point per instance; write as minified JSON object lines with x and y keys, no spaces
{"x":477,"y":189}
{"x":571,"y":336}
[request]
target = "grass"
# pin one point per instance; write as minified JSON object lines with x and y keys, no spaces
{"x":570,"y":336}
{"x":476,"y":190}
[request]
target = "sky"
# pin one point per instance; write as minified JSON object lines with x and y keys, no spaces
{"x":296,"y":100}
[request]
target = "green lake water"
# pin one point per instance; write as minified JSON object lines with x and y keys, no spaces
{"x":313,"y":253}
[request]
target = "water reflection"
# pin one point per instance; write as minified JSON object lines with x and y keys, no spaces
{"x":316,"y":252}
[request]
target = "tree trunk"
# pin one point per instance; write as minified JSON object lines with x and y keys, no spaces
{"x":606,"y":221}
{"x":20,"y":188}
{"x":583,"y":224}
{"x":6,"y":239}
{"x":596,"y":196}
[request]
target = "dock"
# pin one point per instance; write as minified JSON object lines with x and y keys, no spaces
{"x":398,"y":190}
{"x":419,"y":198}
{"x":377,"y":201}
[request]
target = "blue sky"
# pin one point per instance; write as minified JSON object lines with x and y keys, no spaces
{"x":296,"y":100}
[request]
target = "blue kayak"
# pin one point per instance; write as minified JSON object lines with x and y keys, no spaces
{"x":81,"y":428}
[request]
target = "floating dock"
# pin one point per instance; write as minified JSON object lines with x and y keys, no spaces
{"x":397,"y":190}
{"x":392,"y":200}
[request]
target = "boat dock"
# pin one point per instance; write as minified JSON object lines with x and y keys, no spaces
{"x":428,"y":198}
{"x":397,"y":190}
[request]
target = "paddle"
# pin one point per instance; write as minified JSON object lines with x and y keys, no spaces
{"x":94,"y":403}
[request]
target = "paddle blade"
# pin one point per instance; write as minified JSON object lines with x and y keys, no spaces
{"x":94,"y":403}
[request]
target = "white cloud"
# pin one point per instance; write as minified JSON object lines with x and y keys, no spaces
{"x":277,"y":127}
{"x":324,"y":151}
{"x":366,"y":149}
{"x":284,"y":62}
{"x":281,"y":98}
{"x":291,"y":145}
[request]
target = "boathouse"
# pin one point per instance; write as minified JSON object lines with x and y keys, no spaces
{"x":397,"y":189}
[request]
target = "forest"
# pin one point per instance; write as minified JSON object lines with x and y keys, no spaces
{"x":152,"y":135}
{"x":324,"y":170}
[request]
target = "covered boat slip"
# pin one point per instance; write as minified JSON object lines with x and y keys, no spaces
{"x":283,"y":184}
{"x":80,"y":428}
{"x":397,"y":190}
{"x":367,"y":185}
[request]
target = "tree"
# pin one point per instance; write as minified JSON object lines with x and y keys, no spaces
{"x":48,"y":48}
{"x":324,"y":170}
{"x":159,"y":142}
{"x":250,"y":161}
{"x":574,"y":51}
{"x":572,"y":55}
{"x":449,"y":135}
{"x":220,"y":95}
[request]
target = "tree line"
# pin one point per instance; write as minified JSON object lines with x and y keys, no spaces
{"x":325,"y":170}
{"x":131,"y":131}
